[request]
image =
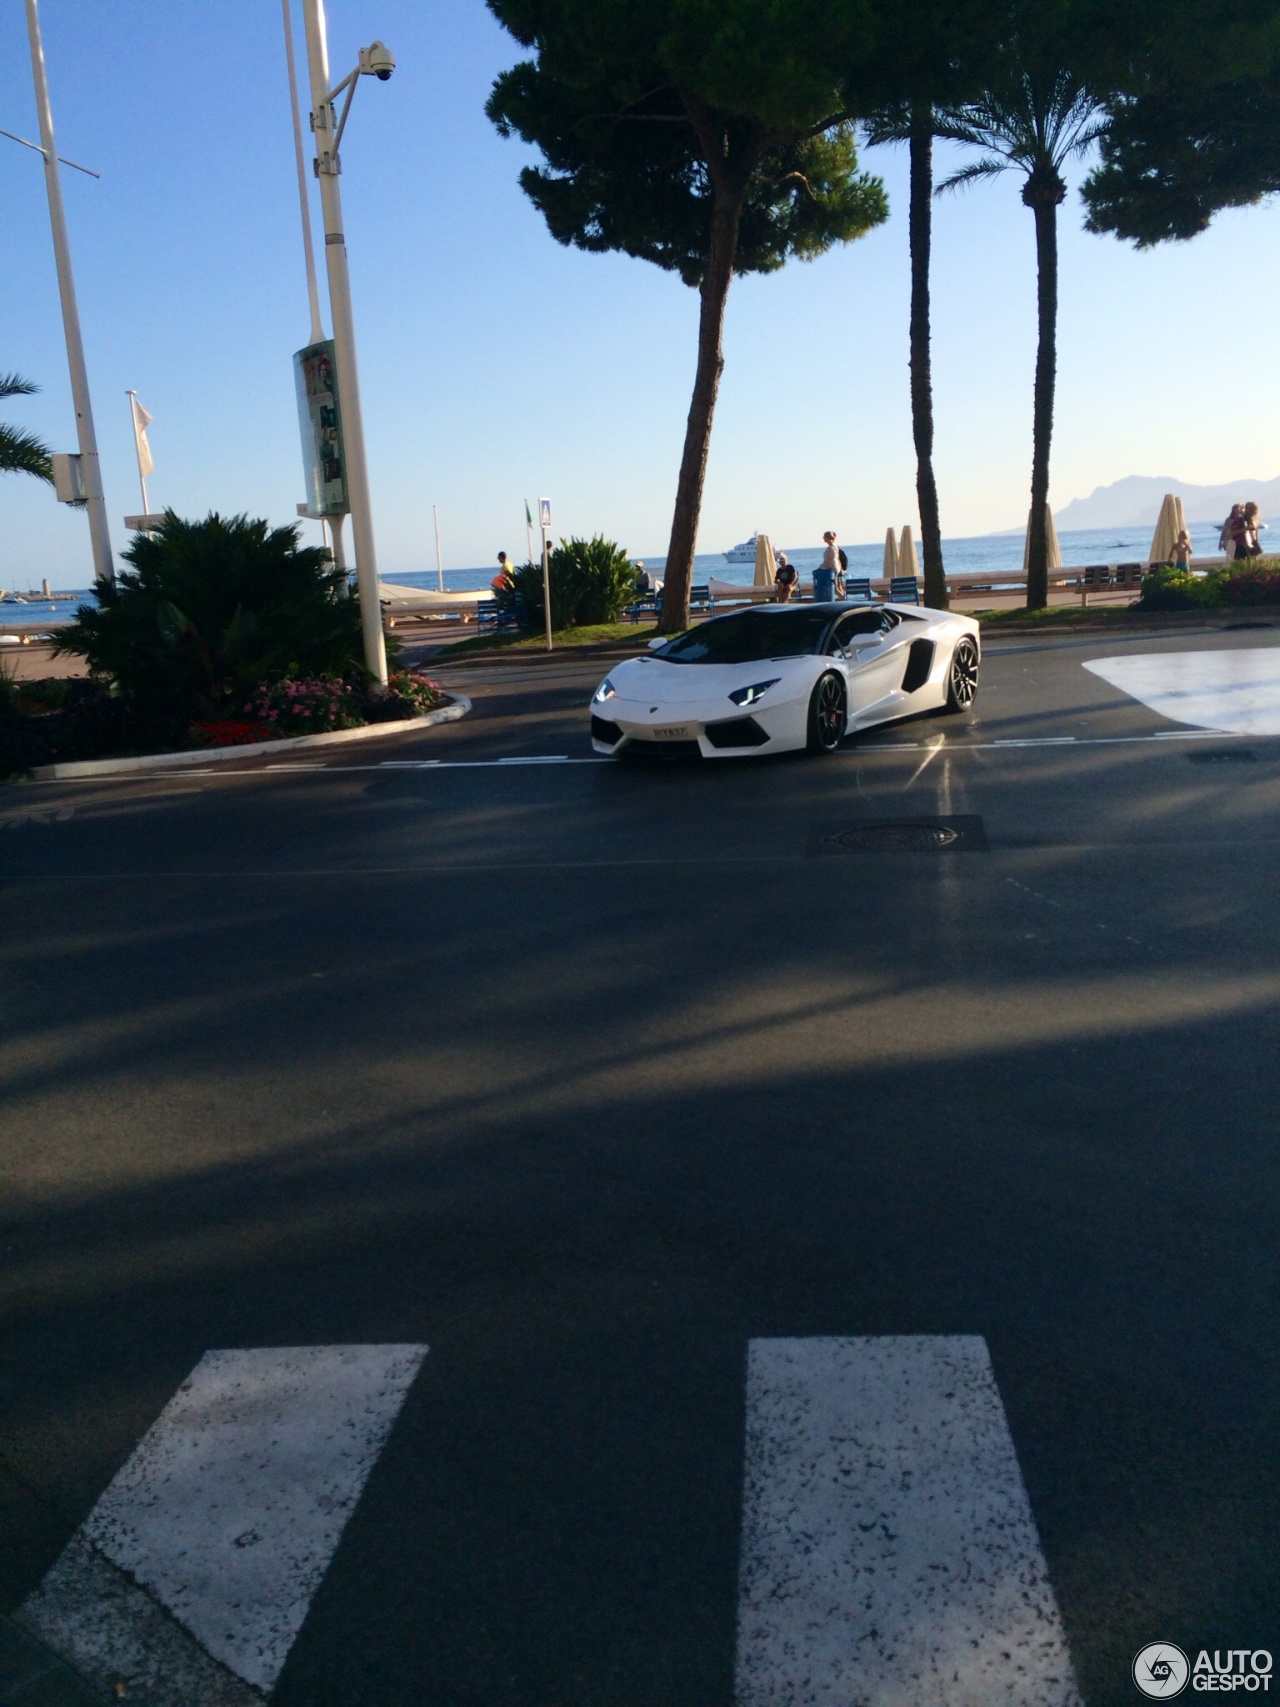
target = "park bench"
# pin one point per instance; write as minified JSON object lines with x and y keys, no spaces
{"x":904,"y":590}
{"x":1094,"y":576}
{"x":490,"y":619}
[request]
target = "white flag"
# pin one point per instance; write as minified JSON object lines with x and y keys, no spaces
{"x":141,"y":421}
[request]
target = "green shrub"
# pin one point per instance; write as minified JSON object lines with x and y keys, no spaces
{"x":592,"y":580}
{"x":1178,"y":589}
{"x":92,"y":723}
{"x":211,"y":609}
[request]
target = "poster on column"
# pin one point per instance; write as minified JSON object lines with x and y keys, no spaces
{"x":324,"y":457}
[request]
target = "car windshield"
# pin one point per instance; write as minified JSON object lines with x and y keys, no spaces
{"x":751,"y":635}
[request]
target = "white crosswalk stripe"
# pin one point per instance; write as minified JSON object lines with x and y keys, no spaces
{"x":889,"y":1555}
{"x":191,"y":1577}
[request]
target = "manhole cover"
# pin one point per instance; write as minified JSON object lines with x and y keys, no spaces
{"x":900,"y":836}
{"x":1224,"y":756}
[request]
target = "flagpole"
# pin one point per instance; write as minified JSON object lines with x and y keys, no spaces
{"x":90,"y":471}
{"x":528,"y":529}
{"x":308,"y":248}
{"x":137,"y":448}
{"x":435,"y":511}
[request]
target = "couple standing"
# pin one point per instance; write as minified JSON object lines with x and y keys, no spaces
{"x":1239,"y":536}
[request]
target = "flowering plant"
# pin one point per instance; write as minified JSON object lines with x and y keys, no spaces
{"x":305,"y":705}
{"x":415,"y":687}
{"x":232,"y":732}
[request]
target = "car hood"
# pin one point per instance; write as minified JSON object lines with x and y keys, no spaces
{"x":661,"y":682}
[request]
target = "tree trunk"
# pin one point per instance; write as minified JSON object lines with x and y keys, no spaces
{"x":1043,"y":198}
{"x":921,"y":223}
{"x":678,"y":575}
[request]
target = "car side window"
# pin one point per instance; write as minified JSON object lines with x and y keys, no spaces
{"x":849,"y":627}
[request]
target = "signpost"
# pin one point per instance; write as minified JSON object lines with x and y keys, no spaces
{"x":544,"y":522}
{"x":324,"y":455}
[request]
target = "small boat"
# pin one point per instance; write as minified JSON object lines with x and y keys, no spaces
{"x":744,"y":553}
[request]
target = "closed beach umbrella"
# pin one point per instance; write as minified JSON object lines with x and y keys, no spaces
{"x":890,"y":554}
{"x":1053,"y":556}
{"x":908,"y":562}
{"x":766,"y":564}
{"x":1167,"y":526}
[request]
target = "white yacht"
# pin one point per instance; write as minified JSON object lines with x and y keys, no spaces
{"x":744,"y":553}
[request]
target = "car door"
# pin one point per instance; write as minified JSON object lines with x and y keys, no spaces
{"x":869,"y":648}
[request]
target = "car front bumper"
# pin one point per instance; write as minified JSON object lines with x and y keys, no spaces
{"x":711,"y":731}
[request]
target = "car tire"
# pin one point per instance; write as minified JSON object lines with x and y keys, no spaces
{"x":962,"y":678}
{"x":828,"y":714}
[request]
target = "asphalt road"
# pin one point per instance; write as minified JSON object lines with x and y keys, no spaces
{"x":587,"y":1075}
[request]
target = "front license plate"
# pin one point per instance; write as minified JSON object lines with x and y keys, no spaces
{"x":674,"y":732}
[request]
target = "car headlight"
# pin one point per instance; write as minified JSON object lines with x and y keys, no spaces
{"x":605,"y":691}
{"x":749,"y":696}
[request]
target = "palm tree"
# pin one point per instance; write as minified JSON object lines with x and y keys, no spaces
{"x":22,"y":453}
{"x":913,"y":122}
{"x":1036,"y":124}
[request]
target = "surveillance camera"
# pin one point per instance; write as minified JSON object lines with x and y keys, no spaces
{"x":378,"y":60}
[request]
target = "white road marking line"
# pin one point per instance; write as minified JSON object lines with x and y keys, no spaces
{"x":1236,"y":690}
{"x":313,"y":767}
{"x":1038,"y":741}
{"x":222,"y":1523}
{"x":889,"y":1554}
{"x":961,"y":746}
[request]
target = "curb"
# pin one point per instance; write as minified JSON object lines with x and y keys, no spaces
{"x":202,"y":756}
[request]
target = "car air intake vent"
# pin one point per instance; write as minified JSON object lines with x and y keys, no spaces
{"x":919,"y":663}
{"x":603,"y":730}
{"x":736,"y":732}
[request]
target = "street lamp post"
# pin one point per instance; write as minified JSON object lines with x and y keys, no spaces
{"x":377,"y":61}
{"x":90,"y":472}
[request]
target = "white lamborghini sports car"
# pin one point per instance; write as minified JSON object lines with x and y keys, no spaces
{"x":778,"y":678}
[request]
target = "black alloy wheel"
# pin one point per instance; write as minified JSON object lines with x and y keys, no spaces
{"x":962,"y":682}
{"x":827,"y":715}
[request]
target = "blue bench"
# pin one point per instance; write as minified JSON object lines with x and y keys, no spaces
{"x":700,"y":599}
{"x":860,"y":589}
{"x":491,"y":620}
{"x":904,"y":590}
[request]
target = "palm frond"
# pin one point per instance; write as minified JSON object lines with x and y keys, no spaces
{"x":13,"y":385}
{"x":1031,"y":122}
{"x":890,"y":124}
{"x":991,"y":167}
{"x":23,"y":453}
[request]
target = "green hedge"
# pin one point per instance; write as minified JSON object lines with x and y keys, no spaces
{"x":592,"y":581}
{"x":1254,"y":583}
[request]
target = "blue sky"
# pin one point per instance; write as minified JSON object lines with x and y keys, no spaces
{"x":497,"y":365}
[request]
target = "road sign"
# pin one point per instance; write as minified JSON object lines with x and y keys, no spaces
{"x":324,"y":455}
{"x":544,"y":512}
{"x":144,"y":524}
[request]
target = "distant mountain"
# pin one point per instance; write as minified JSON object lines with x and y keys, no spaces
{"x":1135,"y":501}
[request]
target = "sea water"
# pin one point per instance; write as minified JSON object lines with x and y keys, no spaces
{"x":982,"y":554}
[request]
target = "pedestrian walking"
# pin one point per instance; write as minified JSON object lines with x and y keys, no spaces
{"x":1233,"y":524}
{"x":1182,"y":551}
{"x":1253,"y":526}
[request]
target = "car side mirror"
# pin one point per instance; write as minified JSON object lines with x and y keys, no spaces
{"x":658,"y":640}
